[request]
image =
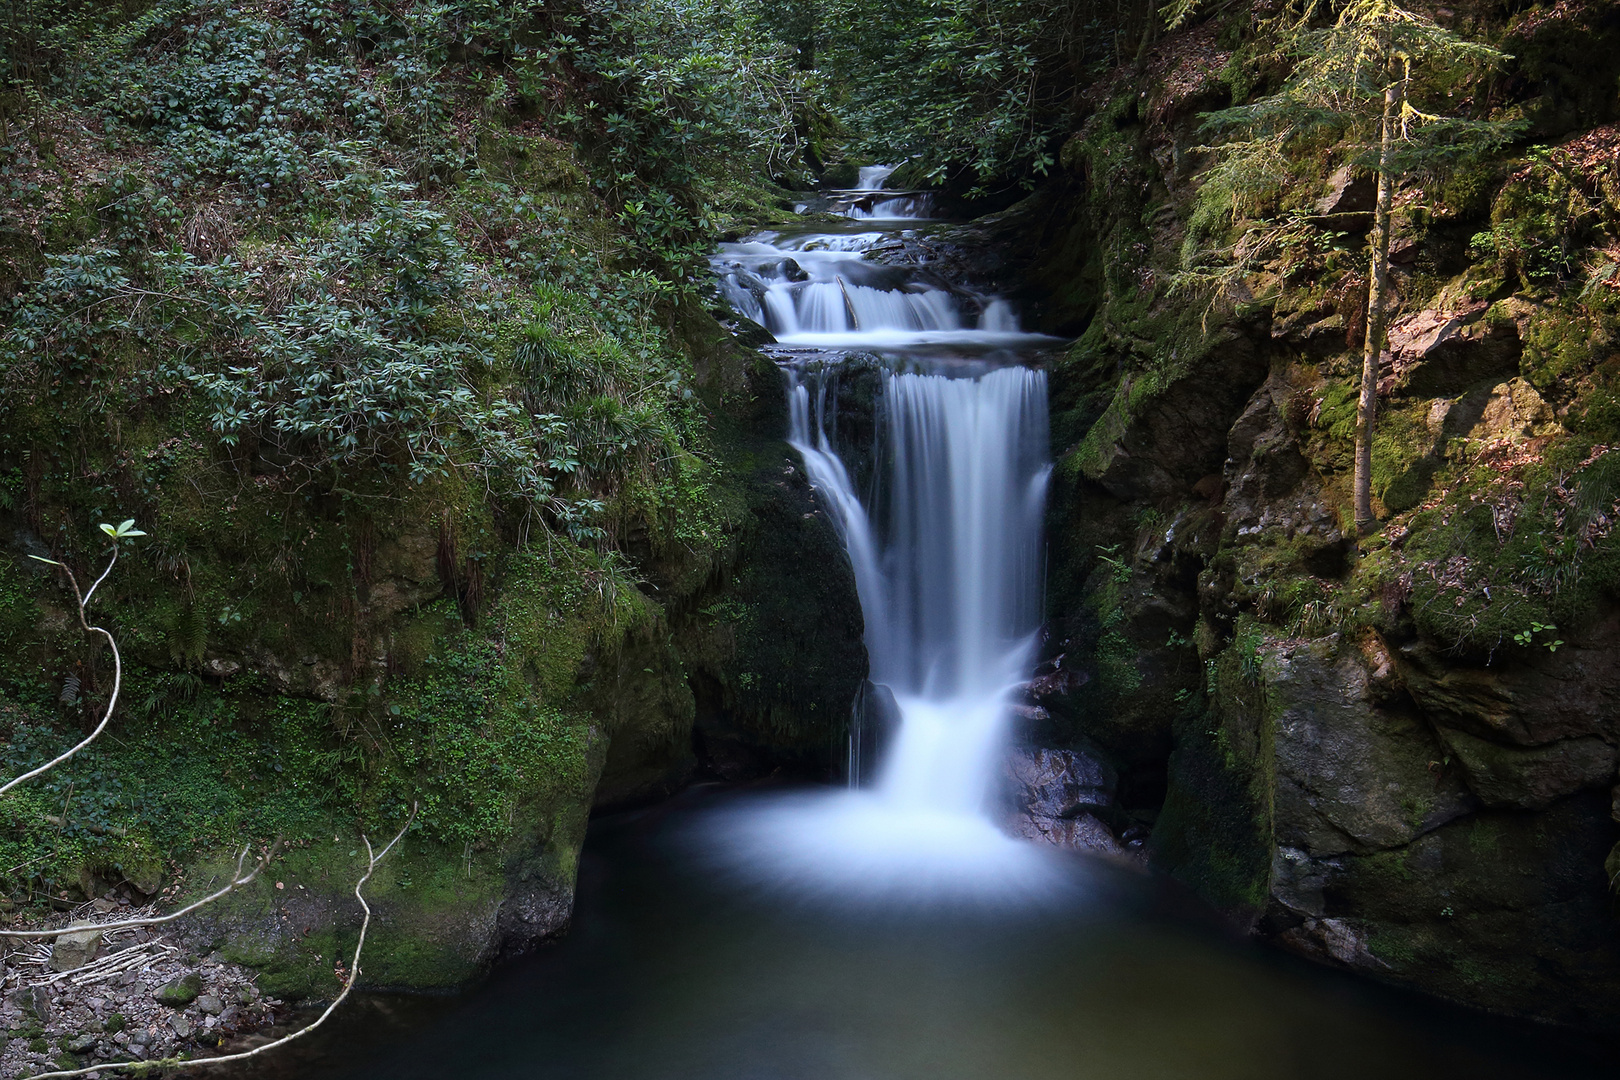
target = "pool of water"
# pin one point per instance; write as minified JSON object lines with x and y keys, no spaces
{"x":678,"y":969}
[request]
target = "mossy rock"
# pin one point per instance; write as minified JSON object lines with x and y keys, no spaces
{"x":179,"y":994}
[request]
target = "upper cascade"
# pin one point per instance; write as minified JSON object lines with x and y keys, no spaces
{"x":820,"y":290}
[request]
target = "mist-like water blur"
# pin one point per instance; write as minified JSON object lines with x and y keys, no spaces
{"x":948,"y":571}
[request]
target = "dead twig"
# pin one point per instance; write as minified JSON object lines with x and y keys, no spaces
{"x":236,"y":882}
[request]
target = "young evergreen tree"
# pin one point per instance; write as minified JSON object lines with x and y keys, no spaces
{"x":1353,"y":82}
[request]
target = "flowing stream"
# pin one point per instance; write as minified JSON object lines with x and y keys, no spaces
{"x":890,"y":930}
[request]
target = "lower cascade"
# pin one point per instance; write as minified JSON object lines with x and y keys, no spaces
{"x":946,"y":551}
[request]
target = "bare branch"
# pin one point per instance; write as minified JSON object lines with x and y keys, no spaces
{"x":118,"y":670}
{"x":237,"y":881}
{"x":372,"y":859}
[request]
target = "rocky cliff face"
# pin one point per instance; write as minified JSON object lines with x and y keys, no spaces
{"x":1398,"y":753}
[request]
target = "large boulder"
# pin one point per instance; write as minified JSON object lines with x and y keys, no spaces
{"x":1350,"y":775}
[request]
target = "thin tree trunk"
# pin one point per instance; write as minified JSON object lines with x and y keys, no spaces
{"x":1377,"y":303}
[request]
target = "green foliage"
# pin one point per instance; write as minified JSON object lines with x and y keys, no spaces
{"x":468,"y":740}
{"x":1527,"y":636}
{"x":671,"y":102}
{"x":1334,"y":99}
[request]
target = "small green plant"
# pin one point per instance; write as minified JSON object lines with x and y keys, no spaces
{"x":1527,"y":638}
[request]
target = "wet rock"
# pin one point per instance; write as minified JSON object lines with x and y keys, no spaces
{"x":1299,"y":882}
{"x":1082,"y":833}
{"x":1531,"y":777}
{"x":1060,"y":797}
{"x":75,"y":949}
{"x":1336,"y":939}
{"x":1056,"y":784}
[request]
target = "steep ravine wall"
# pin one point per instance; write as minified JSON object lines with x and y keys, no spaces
{"x":1396,"y":754}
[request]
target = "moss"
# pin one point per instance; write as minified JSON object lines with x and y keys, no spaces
{"x":1215,"y":831}
{"x":1561,"y":342}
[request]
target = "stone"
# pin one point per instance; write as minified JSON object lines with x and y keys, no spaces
{"x":1572,"y":693}
{"x":1082,"y":833}
{"x":221,"y":668}
{"x":80,"y":1044}
{"x":1515,"y":412}
{"x":181,"y":1025}
{"x":1436,"y":353}
{"x":1334,"y":939}
{"x":1055,"y":784}
{"x":1299,"y":882}
{"x":1350,"y":775}
{"x":114,"y":1023}
{"x":75,"y":949}
{"x":1349,"y":193}
{"x":210,"y":1004}
{"x":1531,"y":777}
{"x":33,"y":1001}
{"x":180,"y":993}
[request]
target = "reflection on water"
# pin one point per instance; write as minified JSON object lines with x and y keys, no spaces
{"x":671,"y":974}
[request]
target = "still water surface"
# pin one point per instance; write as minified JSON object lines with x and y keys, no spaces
{"x":677,"y":971}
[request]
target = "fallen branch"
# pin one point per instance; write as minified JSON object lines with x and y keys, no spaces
{"x":236,"y":882}
{"x":372,"y":859}
{"x":118,"y":664}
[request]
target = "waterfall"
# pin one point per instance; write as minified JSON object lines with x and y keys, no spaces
{"x":947,"y":569}
{"x":821,"y":291}
{"x":951,"y":600}
{"x":946,"y":552}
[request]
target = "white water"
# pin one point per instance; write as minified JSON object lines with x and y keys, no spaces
{"x":947,"y":566}
{"x":820,"y":291}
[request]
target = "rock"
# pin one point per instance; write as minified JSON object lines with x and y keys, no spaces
{"x":1056,"y":784}
{"x":222,"y":669}
{"x":1565,"y":695}
{"x":75,"y":949}
{"x":33,"y":1001}
{"x":1349,"y":774}
{"x":80,"y":1044}
{"x":1299,"y":882}
{"x":1515,"y":412}
{"x":181,"y":1025}
{"x":210,"y":1004}
{"x":1440,"y":354}
{"x":1332,"y":938}
{"x":1053,"y":795}
{"x":1082,"y":833}
{"x":178,"y":994}
{"x":1157,"y":445}
{"x":1531,"y":777}
{"x":114,"y":1024}
{"x":1349,"y":193}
